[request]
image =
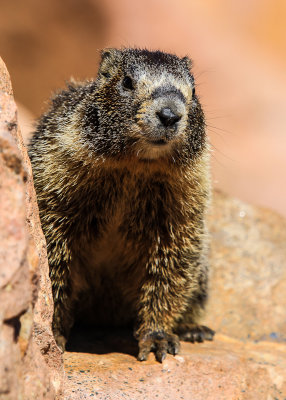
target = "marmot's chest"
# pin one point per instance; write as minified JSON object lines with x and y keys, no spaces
{"x":110,"y":250}
{"x":128,"y":228}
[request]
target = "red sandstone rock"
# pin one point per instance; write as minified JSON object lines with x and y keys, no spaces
{"x":30,"y":362}
{"x":15,"y":293}
{"x":226,"y":369}
{"x":248,"y":274}
{"x":26,"y":121}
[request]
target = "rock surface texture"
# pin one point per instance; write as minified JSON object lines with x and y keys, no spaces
{"x":30,"y":362}
{"x":226,"y":369}
{"x":248,"y":271}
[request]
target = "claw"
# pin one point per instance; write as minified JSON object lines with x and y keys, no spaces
{"x":195,"y":333}
{"x":174,"y":348}
{"x":142,"y":357}
{"x":160,"y":356}
{"x":159,"y":342}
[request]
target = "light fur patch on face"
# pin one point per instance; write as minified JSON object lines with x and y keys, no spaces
{"x":145,"y":150}
{"x":153,"y":152}
{"x":148,"y":84}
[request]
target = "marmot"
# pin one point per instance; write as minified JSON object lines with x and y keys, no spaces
{"x":121,"y":172}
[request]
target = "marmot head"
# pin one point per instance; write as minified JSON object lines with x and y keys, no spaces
{"x":145,"y":104}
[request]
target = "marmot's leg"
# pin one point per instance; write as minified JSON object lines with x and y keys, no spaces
{"x":62,"y":295}
{"x":187,"y":328}
{"x":163,"y":300}
{"x":62,"y":323}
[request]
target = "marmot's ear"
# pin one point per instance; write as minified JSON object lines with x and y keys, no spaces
{"x":188,"y":62}
{"x":109,"y":62}
{"x":111,"y":54}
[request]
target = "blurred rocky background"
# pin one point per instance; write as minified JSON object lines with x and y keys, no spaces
{"x":239,"y":53}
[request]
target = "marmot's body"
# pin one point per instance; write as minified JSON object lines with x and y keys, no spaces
{"x":120,"y":168}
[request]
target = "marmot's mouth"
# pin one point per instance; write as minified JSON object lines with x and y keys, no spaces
{"x":159,"y":142}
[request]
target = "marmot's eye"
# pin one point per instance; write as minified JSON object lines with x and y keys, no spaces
{"x":193,"y":91}
{"x":127,"y":83}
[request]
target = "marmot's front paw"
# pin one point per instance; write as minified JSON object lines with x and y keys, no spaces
{"x":160,"y":342}
{"x":194,"y":333}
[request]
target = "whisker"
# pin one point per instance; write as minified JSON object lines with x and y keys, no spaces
{"x":220,"y":152}
{"x":220,"y":129}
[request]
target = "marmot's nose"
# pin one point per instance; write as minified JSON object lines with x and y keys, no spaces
{"x":168,"y":117}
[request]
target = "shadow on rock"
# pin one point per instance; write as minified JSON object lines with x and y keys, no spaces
{"x":86,"y":339}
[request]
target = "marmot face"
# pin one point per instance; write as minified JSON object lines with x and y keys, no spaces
{"x":145,"y":105}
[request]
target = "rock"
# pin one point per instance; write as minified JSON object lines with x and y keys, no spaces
{"x":30,"y":362}
{"x":26,"y":121}
{"x":15,"y":292}
{"x":248,"y":275}
{"x":247,"y":359}
{"x":224,"y":369}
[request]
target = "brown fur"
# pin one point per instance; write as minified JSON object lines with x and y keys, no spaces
{"x":124,"y":217}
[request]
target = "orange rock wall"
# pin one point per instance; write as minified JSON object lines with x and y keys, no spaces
{"x":30,"y":363}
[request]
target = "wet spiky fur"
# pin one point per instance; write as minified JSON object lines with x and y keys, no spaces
{"x":124,"y":218}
